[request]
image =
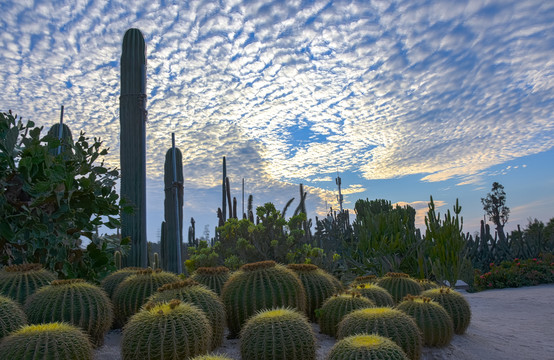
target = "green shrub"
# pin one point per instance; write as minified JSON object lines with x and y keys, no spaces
{"x":338,"y":306}
{"x":213,"y":277}
{"x":12,"y":316}
{"x":399,"y":285}
{"x":455,"y":305}
{"x":375,"y":293}
{"x":20,"y":281}
{"x":371,"y":347}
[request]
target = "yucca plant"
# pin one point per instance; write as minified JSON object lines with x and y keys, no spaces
{"x":399,"y":285}
{"x":20,"y":281}
{"x":12,"y":316}
{"x":336,"y":307}
{"x":212,"y":277}
{"x":455,"y":305}
{"x":367,"y":347}
{"x":375,"y":293}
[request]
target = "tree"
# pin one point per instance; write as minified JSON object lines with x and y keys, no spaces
{"x":494,"y":205}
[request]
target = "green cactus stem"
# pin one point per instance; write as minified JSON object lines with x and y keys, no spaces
{"x":455,"y":305}
{"x":338,"y":306}
{"x":399,"y":285}
{"x":427,"y":284}
{"x":366,"y":279}
{"x":212,"y":277}
{"x":20,"y":281}
{"x":211,"y":357}
{"x":373,"y":347}
{"x":117,"y":259}
{"x":375,"y":293}
{"x":156,"y":262}
{"x":12,"y":316}
{"x":110,"y":282}
{"x":66,"y":138}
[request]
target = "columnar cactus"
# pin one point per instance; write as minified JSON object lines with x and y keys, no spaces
{"x":212,"y":277}
{"x":455,"y":305}
{"x":384,"y":321}
{"x":12,"y":316}
{"x":277,"y":334}
{"x":199,"y":295}
{"x":375,"y":293}
{"x":259,"y":286}
{"x":66,"y":137}
{"x":318,"y":284}
{"x":172,"y":331}
{"x":366,"y":346}
{"x":337,"y":306}
{"x":431,"y":318}
{"x":111,"y":281}
{"x":53,"y":341}
{"x":74,"y":301}
{"x":399,"y":285}
{"x":20,"y":281}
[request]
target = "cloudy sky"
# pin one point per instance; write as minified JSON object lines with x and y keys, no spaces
{"x":406,"y":99}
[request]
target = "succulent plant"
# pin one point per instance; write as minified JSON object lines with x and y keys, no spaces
{"x":20,"y":281}
{"x":431,"y":318}
{"x":199,"y":295}
{"x":427,"y":284}
{"x":50,"y":341}
{"x":375,"y":293}
{"x":134,"y":291}
{"x":455,"y":305}
{"x":279,"y":333}
{"x":366,"y":279}
{"x":318,"y":284}
{"x":212,"y":277}
{"x":399,"y":285}
{"x":74,"y":301}
{"x":259,"y":286}
{"x":384,"y":321}
{"x":337,"y":306}
{"x":174,"y":330}
{"x":365,"y":346}
{"x":111,"y":281}
{"x":12,"y":316}
{"x":211,"y":357}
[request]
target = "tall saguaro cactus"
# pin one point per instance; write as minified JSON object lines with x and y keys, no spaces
{"x":132,"y":112}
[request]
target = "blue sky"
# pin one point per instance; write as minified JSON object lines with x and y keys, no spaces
{"x":406,"y":99}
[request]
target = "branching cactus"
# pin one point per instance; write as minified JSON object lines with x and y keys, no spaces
{"x":431,"y":318}
{"x":318,"y":284}
{"x":12,"y":316}
{"x":366,"y":346}
{"x":212,"y":277}
{"x":259,"y":286}
{"x":74,"y":301}
{"x":277,"y":334}
{"x":171,"y":331}
{"x":384,"y":321}
{"x":199,"y":295}
{"x":455,"y":305}
{"x":399,"y":285}
{"x":375,"y":293}
{"x":111,"y":281}
{"x":20,"y":281}
{"x":338,"y":306}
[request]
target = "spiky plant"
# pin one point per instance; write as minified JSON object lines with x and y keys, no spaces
{"x":212,"y":277}
{"x":336,"y":307}
{"x":427,"y":284}
{"x":111,"y":281}
{"x":365,"y":346}
{"x":20,"y":281}
{"x":366,"y":279}
{"x":375,"y":293}
{"x":455,"y":305}
{"x":211,"y":357}
{"x":277,"y":334}
{"x":171,"y":331}
{"x":259,"y":286}
{"x":399,"y":285}
{"x":134,"y":291}
{"x":12,"y":316}
{"x":318,"y":284}
{"x":199,"y":295}
{"x":384,"y":321}
{"x":52,"y":341}
{"x":431,"y":318}
{"x":74,"y":301}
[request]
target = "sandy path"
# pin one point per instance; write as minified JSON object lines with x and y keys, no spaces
{"x":506,"y":324}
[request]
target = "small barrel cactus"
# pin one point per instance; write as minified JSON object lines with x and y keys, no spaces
{"x":366,"y":279}
{"x":375,"y":293}
{"x":111,"y":281}
{"x":384,"y":321}
{"x":172,"y":331}
{"x":74,"y":301}
{"x":53,"y":341}
{"x":211,"y":357}
{"x":431,"y":318}
{"x":20,"y":281}
{"x":199,"y":295}
{"x":427,"y":284}
{"x":318,"y":284}
{"x":259,"y":286}
{"x":134,"y":291}
{"x":399,"y":285}
{"x":12,"y":316}
{"x":212,"y":277}
{"x":337,"y":306}
{"x":277,"y":334}
{"x":455,"y":305}
{"x":365,"y":346}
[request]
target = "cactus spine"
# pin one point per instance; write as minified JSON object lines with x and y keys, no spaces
{"x":455,"y":305}
{"x":365,"y":346}
{"x":375,"y":293}
{"x":399,"y":285}
{"x":338,"y":306}
{"x":12,"y":316}
{"x":212,"y":277}
{"x":20,"y":281}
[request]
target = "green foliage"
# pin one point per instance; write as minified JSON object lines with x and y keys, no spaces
{"x":212,"y":277}
{"x":56,"y":341}
{"x":494,"y":205}
{"x":338,"y":306}
{"x":399,"y":285}
{"x":110,"y":282}
{"x":375,"y":293}
{"x":74,"y":301}
{"x":277,"y":334}
{"x":365,"y":346}
{"x":201,"y":256}
{"x":20,"y":281}
{"x":12,"y":316}
{"x":455,"y":305}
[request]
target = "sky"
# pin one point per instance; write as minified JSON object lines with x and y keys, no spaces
{"x":404,"y":99}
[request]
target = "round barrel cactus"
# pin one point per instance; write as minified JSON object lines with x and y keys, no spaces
{"x":365,"y":346}
{"x":52,"y":341}
{"x":111,"y":281}
{"x":212,"y":277}
{"x":172,"y":331}
{"x":211,"y":357}
{"x":427,"y":284}
{"x":20,"y":281}
{"x":277,"y":334}
{"x":366,"y":279}
{"x":431,"y":318}
{"x":199,"y":295}
{"x":259,"y":286}
{"x":74,"y":301}
{"x":318,"y":284}
{"x":337,"y":306}
{"x":134,"y":291}
{"x":375,"y":293}
{"x":12,"y":316}
{"x":399,"y":285}
{"x":455,"y":305}
{"x":384,"y":321}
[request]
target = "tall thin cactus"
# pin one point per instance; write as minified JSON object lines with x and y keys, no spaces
{"x":223,"y":193}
